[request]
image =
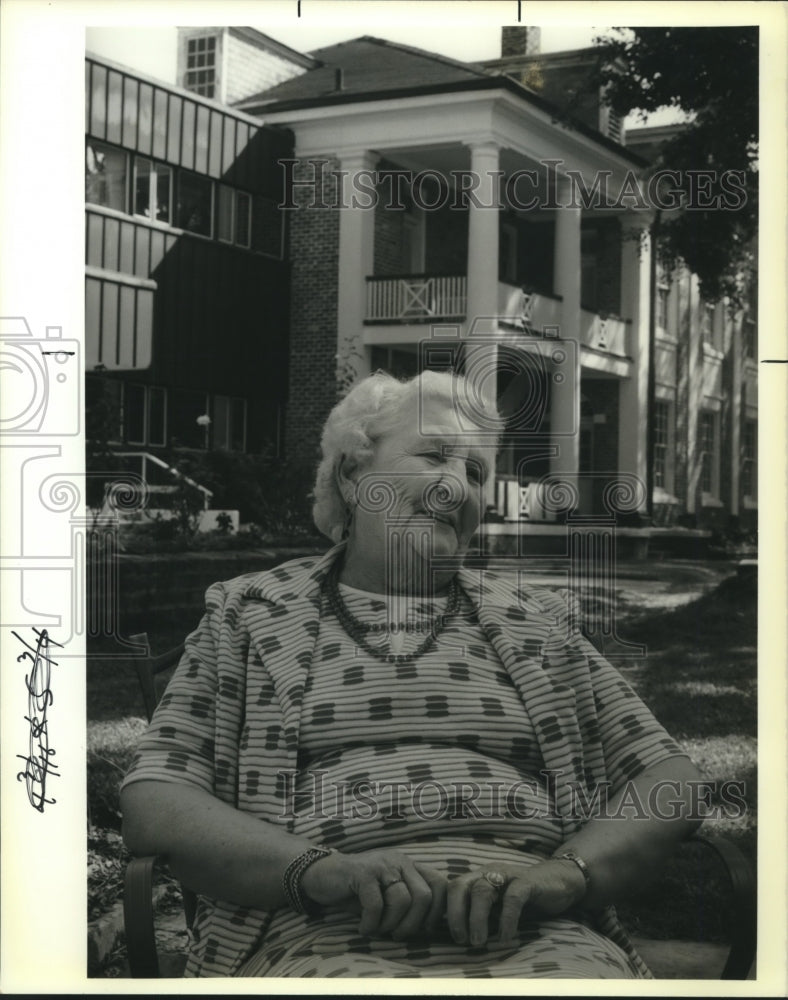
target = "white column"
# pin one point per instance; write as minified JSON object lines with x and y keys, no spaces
{"x":482,"y":280}
{"x":633,"y":412}
{"x":356,"y":261}
{"x":564,"y":372}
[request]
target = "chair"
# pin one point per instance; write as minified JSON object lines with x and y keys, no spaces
{"x":138,"y":907}
{"x":139,"y":910}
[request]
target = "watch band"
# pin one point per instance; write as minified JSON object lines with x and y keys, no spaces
{"x":291,"y":880}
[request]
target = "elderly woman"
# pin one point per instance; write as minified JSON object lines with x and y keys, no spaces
{"x":382,"y":763}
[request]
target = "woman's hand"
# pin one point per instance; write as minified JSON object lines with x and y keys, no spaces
{"x":544,"y":889}
{"x":393,"y":894}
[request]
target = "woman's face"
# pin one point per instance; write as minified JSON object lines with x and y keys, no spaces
{"x":425,"y":481}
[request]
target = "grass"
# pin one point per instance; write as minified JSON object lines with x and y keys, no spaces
{"x":698,"y":677}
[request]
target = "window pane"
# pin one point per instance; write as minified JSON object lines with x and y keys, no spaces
{"x":142,"y":172}
{"x":194,"y":203}
{"x":221,"y":421}
{"x":707,"y":448}
{"x":105,"y":176}
{"x":224,"y":213}
{"x":242,"y":218}
{"x":157,"y":399}
{"x":186,"y":405}
{"x":163,"y":184}
{"x":134,"y":413}
{"x":660,"y":444}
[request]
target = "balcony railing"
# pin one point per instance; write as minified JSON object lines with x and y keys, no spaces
{"x":424,"y":298}
{"x":414,"y":298}
{"x":603,"y":332}
{"x":530,"y":311}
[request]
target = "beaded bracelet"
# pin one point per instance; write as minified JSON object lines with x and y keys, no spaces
{"x":291,"y":880}
{"x":571,"y":856}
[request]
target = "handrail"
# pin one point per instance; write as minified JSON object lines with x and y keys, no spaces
{"x":146,"y":456}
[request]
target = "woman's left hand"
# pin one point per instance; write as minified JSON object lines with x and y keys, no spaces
{"x":546,"y":889}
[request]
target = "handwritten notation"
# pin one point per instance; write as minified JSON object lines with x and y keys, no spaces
{"x":38,"y":762}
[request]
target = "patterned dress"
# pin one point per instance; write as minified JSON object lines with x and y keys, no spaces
{"x":442,"y":758}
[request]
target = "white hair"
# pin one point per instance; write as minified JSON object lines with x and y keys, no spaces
{"x":371,"y":408}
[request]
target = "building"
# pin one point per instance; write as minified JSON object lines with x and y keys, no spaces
{"x":439,"y":214}
{"x":549,"y":262}
{"x":187,"y":270}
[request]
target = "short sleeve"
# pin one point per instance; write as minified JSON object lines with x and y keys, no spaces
{"x":178,"y":745}
{"x":632,"y":739}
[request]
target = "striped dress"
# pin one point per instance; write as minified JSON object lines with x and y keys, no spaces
{"x":462,"y":735}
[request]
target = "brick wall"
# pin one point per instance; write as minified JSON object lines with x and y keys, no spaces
{"x":314,"y":254}
{"x":251,"y":69}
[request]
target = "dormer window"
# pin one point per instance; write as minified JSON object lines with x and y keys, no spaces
{"x":201,"y":65}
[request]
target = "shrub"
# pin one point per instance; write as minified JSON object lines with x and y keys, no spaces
{"x":110,"y":749}
{"x":263,"y":488}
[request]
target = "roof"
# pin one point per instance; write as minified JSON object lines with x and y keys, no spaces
{"x":369,"y":65}
{"x":373,"y":69}
{"x":257,"y":38}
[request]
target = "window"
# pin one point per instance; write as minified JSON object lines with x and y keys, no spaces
{"x":229,"y":423}
{"x":614,"y":122}
{"x":201,"y":65}
{"x":152,"y":186}
{"x":144,"y":414}
{"x":662,"y":445}
{"x":707,"y":442}
{"x":134,"y":413}
{"x":662,"y":308}
{"x":194,"y":203}
{"x":187,"y":407}
{"x":399,"y":363}
{"x":105,"y":175}
{"x":233,"y":216}
{"x":749,"y":465}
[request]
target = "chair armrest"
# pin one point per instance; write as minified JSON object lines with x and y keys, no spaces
{"x":743,"y":923}
{"x":138,"y":919}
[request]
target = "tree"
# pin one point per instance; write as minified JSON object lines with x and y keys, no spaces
{"x":712,"y":75}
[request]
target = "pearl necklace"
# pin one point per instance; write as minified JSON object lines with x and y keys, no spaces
{"x":358,"y":630}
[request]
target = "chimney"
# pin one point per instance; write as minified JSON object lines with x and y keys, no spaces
{"x":520,"y":41}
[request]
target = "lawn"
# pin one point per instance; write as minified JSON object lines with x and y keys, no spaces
{"x":698,"y":677}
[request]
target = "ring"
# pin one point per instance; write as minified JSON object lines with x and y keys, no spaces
{"x":391,"y":882}
{"x":495,"y":879}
